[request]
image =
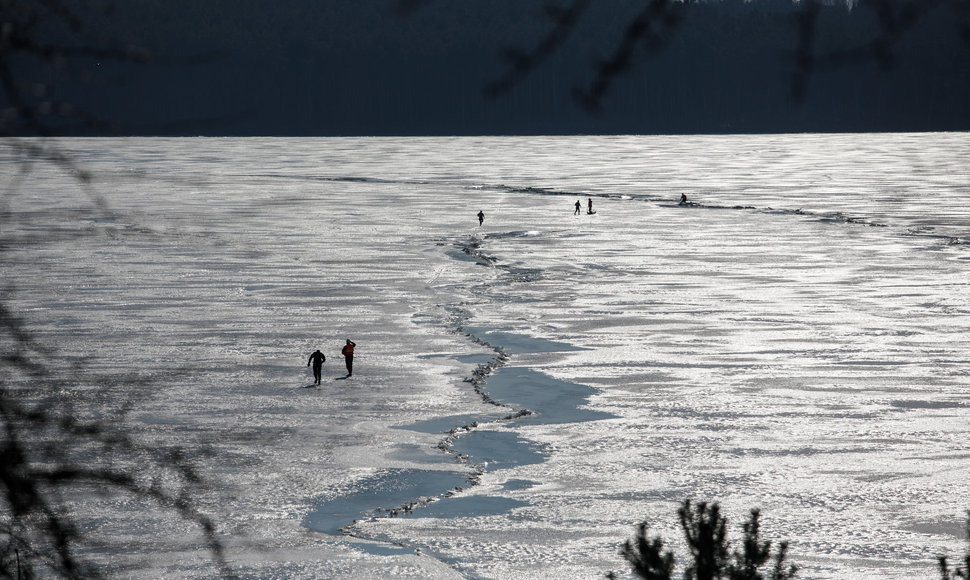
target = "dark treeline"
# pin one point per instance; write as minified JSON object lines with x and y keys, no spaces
{"x":360,"y":67}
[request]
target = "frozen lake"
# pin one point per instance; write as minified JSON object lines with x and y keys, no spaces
{"x":524,"y":392}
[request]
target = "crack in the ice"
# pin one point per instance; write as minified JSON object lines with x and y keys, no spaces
{"x":457,"y":318}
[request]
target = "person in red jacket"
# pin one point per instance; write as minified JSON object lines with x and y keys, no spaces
{"x":348,"y":352}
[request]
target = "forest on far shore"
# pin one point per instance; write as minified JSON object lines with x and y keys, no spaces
{"x":304,"y":67}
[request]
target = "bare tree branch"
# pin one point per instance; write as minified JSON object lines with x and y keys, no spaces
{"x":522,"y":63}
{"x":652,"y":26}
{"x":54,"y":452}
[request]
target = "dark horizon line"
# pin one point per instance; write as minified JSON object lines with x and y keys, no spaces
{"x":446,"y":135}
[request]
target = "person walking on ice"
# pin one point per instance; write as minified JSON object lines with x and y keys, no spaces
{"x":578,"y":205}
{"x":589,"y":210}
{"x":481,"y":217}
{"x":317,"y":358}
{"x":348,"y":352}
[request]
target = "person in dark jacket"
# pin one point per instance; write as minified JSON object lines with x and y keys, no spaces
{"x":348,"y":352}
{"x":317,"y":358}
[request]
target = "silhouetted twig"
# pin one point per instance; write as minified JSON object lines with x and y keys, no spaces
{"x":32,"y":107}
{"x":896,"y":19}
{"x":652,"y":27}
{"x":521,"y":63}
{"x":54,"y":452}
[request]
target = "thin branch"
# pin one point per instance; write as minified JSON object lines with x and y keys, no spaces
{"x":522,"y":63}
{"x":652,"y":26}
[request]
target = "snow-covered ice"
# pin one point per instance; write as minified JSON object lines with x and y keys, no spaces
{"x":524,"y":392}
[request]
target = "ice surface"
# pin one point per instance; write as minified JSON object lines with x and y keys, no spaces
{"x":796,"y":340}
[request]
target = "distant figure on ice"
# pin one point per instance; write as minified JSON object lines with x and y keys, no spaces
{"x":481,"y":217}
{"x":683,"y":199}
{"x":348,"y":352}
{"x":589,"y":208}
{"x":577,"y":208}
{"x":317,"y":358}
